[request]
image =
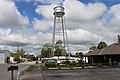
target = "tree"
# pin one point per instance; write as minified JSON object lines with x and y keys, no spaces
{"x":59,"y":42}
{"x":17,"y":58}
{"x":30,"y":57}
{"x":46,"y":51}
{"x":18,"y":54}
{"x":59,"y":49}
{"x":21,"y":52}
{"x":80,"y":55}
{"x":58,"y":52}
{"x":101,"y":45}
{"x":93,"y":48}
{"x":118,"y":42}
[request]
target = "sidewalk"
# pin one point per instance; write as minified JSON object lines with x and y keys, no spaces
{"x":33,"y":75}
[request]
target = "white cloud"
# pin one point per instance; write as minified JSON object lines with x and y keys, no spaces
{"x":115,"y":10}
{"x":82,"y":37}
{"x":13,"y":35}
{"x":114,"y":23}
{"x":23,"y":37}
{"x":41,"y":25}
{"x":46,"y":11}
{"x":10,"y":16}
{"x":80,"y":11}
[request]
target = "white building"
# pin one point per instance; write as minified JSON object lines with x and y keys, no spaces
{"x":4,"y":56}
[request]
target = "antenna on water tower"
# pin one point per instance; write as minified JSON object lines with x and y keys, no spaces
{"x":59,"y":16}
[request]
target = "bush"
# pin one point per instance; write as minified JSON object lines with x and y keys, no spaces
{"x":50,"y":64}
{"x":72,"y":63}
{"x":99,"y":65}
{"x":86,"y":65}
{"x":108,"y":64}
{"x":94,"y":64}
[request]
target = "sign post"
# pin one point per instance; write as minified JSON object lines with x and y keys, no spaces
{"x":12,"y":68}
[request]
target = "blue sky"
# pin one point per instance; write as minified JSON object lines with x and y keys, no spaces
{"x":29,"y":23}
{"x":28,"y":9}
{"x":106,"y":2}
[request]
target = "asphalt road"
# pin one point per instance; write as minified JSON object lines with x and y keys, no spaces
{"x":83,"y":74}
{"x":6,"y":75}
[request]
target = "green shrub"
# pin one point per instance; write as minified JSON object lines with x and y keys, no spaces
{"x":86,"y":65}
{"x":108,"y":64}
{"x":50,"y":64}
{"x":94,"y":64}
{"x":99,"y":65}
{"x":73,"y":64}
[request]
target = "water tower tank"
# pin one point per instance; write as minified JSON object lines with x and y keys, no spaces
{"x":59,"y":11}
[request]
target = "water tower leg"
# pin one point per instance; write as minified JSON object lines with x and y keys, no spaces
{"x":53,"y":40}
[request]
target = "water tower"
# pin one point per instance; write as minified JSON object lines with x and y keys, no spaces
{"x":59,"y":23}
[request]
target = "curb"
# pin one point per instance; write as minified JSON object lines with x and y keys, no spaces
{"x":42,"y":77}
{"x":64,"y":68}
{"x":24,"y":70}
{"x":21,"y":72}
